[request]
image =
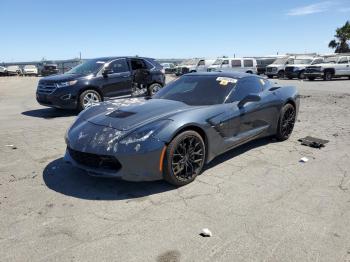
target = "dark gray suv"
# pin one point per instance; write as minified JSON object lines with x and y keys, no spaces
{"x":100,"y":78}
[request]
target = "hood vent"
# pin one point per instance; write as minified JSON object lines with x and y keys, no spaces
{"x":120,"y":114}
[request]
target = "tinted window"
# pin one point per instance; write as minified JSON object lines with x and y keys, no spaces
{"x":198,"y":90}
{"x":236,"y":63}
{"x":138,"y":64}
{"x":248,"y":63}
{"x":118,"y":66}
{"x":225,"y":62}
{"x":88,"y":67}
{"x":244,"y":87}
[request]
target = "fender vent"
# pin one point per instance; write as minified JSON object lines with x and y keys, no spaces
{"x":120,"y":114}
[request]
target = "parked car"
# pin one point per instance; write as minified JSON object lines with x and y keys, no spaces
{"x":97,"y":79}
{"x":14,"y":70}
{"x":169,"y":68}
{"x":30,"y":70}
{"x":244,"y":65}
{"x":332,"y":67}
{"x":3,"y":71}
{"x":182,"y":128}
{"x":262,"y":63}
{"x":297,"y":70}
{"x":277,"y":68}
{"x":49,"y":69}
{"x":193,"y":65}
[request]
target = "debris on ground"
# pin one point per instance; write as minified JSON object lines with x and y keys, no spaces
{"x":206,"y":233}
{"x":304,"y":159}
{"x":12,"y":146}
{"x":313,"y":142}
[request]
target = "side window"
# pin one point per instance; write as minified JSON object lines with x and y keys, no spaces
{"x":236,"y":63}
{"x":244,"y":87}
{"x":138,"y":64}
{"x":343,"y":60}
{"x":225,"y":62}
{"x":248,"y":63}
{"x":201,"y":63}
{"x":119,"y":66}
{"x":290,"y":62}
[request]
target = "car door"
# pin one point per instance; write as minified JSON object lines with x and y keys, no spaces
{"x":201,"y":66}
{"x":342,"y":67}
{"x":236,"y":65}
{"x":140,"y":72}
{"x":118,"y":80}
{"x":253,"y":118}
{"x":225,"y":65}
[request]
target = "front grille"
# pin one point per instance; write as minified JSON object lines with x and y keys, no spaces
{"x":95,"y":161}
{"x":289,"y":69}
{"x":313,"y":69}
{"x":46,"y":88}
{"x":268,"y":69}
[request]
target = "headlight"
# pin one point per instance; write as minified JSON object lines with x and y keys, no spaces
{"x":64,"y":84}
{"x":143,"y":133}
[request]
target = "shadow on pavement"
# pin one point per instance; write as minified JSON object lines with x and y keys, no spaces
{"x":48,"y":113}
{"x":68,"y":180}
{"x":64,"y":178}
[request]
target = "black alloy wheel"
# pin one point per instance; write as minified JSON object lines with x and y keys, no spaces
{"x":185,"y":158}
{"x":286,"y":122}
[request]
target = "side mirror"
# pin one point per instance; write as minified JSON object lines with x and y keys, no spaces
{"x":107,"y":71}
{"x":249,"y":98}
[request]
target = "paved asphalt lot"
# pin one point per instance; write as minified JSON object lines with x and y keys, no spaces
{"x":260,"y":203}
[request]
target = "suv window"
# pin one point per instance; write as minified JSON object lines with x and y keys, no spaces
{"x":290,"y":61}
{"x":225,"y":62}
{"x":138,"y":64}
{"x":236,"y":63}
{"x":201,"y":63}
{"x":248,"y":63}
{"x":343,"y":60}
{"x":119,"y":66}
{"x":244,"y":87}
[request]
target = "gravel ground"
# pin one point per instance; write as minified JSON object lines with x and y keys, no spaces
{"x":259,"y":201}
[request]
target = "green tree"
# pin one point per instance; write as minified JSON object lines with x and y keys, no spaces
{"x":340,"y":44}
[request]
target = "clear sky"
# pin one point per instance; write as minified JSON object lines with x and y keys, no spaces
{"x":61,"y":29}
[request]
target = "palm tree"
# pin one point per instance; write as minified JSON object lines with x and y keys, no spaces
{"x":340,"y":44}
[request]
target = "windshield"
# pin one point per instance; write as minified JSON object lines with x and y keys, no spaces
{"x":30,"y":67}
{"x":330,"y":60}
{"x":88,"y":67}
{"x":280,"y":61}
{"x":302,"y":61}
{"x":198,"y":90}
{"x":190,"y":62}
{"x":218,"y":62}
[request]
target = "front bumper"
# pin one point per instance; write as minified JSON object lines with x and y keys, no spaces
{"x":64,"y":98}
{"x":135,"y":161}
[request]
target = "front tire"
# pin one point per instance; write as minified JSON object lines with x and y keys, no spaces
{"x":301,"y":75}
{"x":311,"y":78}
{"x":281,"y":74}
{"x":185,"y":158}
{"x":88,"y":98}
{"x":328,"y":76}
{"x":286,"y":122}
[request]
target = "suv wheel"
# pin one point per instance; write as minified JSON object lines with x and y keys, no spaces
{"x":327,"y":76}
{"x":88,"y":98}
{"x":311,"y":78}
{"x":301,"y":75}
{"x":154,"y":88}
{"x":185,"y":157}
{"x":280,"y":74}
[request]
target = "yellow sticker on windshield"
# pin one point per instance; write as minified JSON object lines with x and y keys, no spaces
{"x":224,"y":81}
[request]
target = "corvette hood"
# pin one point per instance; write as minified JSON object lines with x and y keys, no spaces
{"x":128,"y":114}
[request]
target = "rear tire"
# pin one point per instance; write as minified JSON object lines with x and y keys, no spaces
{"x":328,"y":75}
{"x":311,"y":78}
{"x":185,"y":158}
{"x":154,"y":88}
{"x":301,"y":75}
{"x":286,"y":122}
{"x":88,"y":98}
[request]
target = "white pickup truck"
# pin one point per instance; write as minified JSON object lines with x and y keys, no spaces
{"x":332,"y":67}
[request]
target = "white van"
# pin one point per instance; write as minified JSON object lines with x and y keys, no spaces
{"x":193,"y":65}
{"x":245,"y":65}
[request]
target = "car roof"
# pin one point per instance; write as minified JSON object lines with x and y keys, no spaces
{"x":236,"y":75}
{"x":109,"y":58}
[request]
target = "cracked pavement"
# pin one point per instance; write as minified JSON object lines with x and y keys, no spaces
{"x":259,"y":201}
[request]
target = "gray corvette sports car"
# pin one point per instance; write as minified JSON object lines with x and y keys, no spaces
{"x":173,"y":134}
